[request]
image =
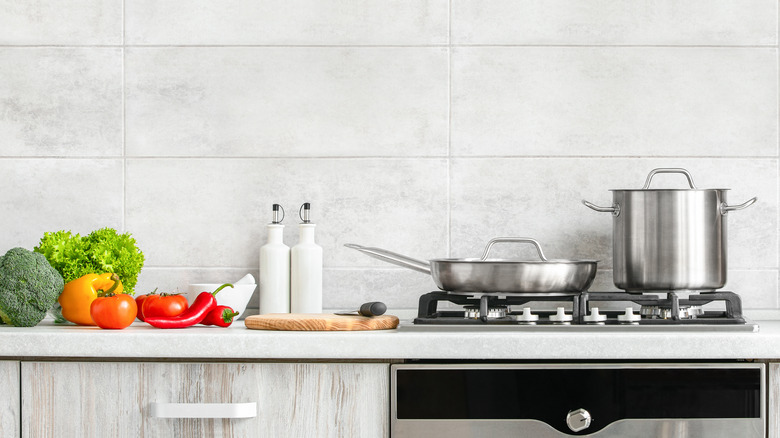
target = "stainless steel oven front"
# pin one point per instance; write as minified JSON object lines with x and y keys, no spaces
{"x":662,"y":400}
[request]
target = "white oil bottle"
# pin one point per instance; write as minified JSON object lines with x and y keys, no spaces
{"x":306,"y":268}
{"x":275,"y":268}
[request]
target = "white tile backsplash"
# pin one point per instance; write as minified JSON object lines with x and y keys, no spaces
{"x":615,"y":22}
{"x":597,"y":101}
{"x":299,"y":101}
{"x":48,"y":194}
{"x":541,"y":198}
{"x":212,"y":213}
{"x":60,"y":22}
{"x":287,"y":22}
{"x":424,"y":127}
{"x":60,"y":101}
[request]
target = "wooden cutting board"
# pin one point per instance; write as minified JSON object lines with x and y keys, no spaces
{"x":320,"y":322}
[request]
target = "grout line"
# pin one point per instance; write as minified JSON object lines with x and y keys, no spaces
{"x":509,"y":45}
{"x":449,"y":129}
{"x":396,"y":269}
{"x":383,"y":157}
{"x":124,"y":125}
{"x":662,"y":46}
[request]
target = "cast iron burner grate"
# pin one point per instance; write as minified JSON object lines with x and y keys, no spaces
{"x":428,"y":312}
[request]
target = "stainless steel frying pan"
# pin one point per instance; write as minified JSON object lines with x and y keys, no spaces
{"x":497,"y":275}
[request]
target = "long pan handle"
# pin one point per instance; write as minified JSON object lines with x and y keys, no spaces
{"x":393,"y":257}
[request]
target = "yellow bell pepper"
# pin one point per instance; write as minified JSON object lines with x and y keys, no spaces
{"x":78,"y":295}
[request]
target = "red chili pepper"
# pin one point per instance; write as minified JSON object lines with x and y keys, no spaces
{"x":202,"y":305}
{"x":221,"y":316}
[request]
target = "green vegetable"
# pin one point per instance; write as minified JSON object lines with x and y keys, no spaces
{"x":101,"y":251}
{"x":29,"y":286}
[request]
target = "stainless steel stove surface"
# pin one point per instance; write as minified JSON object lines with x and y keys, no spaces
{"x":663,"y":311}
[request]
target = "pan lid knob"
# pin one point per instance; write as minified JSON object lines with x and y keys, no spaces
{"x":561,"y":317}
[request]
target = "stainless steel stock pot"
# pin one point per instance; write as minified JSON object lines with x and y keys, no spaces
{"x":671,"y":239}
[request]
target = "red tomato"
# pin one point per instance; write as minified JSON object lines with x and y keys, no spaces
{"x":164,"y":305}
{"x":139,"y":302}
{"x":113,"y":312}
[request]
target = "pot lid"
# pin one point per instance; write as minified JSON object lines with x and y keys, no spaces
{"x":691,"y":185}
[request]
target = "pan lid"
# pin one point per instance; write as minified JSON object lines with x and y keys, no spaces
{"x":486,"y":253}
{"x":516,"y":261}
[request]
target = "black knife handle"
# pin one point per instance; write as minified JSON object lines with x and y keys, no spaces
{"x":374,"y":308}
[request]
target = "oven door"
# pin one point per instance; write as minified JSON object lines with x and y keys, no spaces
{"x":597,"y":400}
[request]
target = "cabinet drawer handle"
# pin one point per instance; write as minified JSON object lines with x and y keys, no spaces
{"x":204,"y":410}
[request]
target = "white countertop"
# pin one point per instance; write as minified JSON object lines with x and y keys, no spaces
{"x":141,"y":341}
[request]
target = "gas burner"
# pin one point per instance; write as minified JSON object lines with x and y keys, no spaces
{"x":472,"y":312}
{"x":582,"y":308}
{"x":661,"y":312}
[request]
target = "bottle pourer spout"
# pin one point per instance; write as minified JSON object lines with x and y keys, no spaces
{"x":304,"y":213}
{"x":276,"y":210}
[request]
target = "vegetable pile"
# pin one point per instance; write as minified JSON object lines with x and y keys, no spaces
{"x":102,"y":250}
{"x":29,"y":286}
{"x":204,"y":310}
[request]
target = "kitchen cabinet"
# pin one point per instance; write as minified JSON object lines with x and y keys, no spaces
{"x":9,"y":402}
{"x":293,"y":399}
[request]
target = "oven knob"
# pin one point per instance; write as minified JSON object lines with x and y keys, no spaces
{"x":578,"y":420}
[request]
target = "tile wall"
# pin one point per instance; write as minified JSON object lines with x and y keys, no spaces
{"x":422,"y":126}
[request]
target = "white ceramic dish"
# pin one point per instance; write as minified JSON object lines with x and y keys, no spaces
{"x":236,"y":297}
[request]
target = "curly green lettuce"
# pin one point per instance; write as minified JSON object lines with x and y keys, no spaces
{"x":102,"y":250}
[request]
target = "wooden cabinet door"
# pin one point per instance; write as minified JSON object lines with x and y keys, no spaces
{"x":63,"y":399}
{"x":325,"y":400}
{"x":9,"y":402}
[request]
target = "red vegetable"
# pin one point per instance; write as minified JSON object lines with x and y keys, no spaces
{"x":221,"y":316}
{"x":164,"y":305}
{"x":203,"y":304}
{"x":139,"y":301}
{"x":112,"y":311}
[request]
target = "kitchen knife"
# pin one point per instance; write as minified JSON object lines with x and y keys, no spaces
{"x":373,"y":308}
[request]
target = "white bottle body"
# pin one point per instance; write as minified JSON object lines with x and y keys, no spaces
{"x":306,"y":273}
{"x":275,"y":273}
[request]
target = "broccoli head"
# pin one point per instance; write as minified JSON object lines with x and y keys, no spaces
{"x":29,"y":286}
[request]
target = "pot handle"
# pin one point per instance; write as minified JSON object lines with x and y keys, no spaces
{"x":725,"y":208}
{"x":393,"y":257}
{"x":669,"y":170}
{"x":615,"y":209}
{"x":515,"y":240}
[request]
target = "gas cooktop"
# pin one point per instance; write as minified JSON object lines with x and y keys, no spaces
{"x":580,"y":311}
